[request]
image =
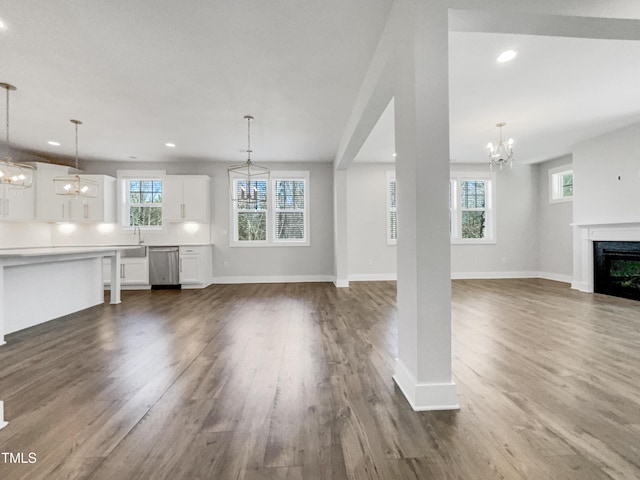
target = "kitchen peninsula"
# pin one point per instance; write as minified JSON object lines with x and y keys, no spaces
{"x":63,"y":280}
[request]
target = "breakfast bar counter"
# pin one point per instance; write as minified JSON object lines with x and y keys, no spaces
{"x":42,"y":283}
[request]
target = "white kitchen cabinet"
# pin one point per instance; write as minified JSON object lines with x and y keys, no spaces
{"x":51,"y":207}
{"x":186,"y":198}
{"x":101,"y":209}
{"x":133,"y":271}
{"x":195,"y":265}
{"x":17,"y":203}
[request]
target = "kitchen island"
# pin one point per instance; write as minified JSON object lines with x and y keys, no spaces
{"x":43,"y":283}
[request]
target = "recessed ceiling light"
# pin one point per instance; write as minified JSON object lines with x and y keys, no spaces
{"x":55,"y":144}
{"x":507,"y":56}
{"x":170,"y":145}
{"x":3,"y":24}
{"x":394,"y":154}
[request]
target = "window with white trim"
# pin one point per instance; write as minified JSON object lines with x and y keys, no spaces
{"x":250,"y":218}
{"x":392,"y":218}
{"x":560,"y":184}
{"x":282,"y":218}
{"x":143,"y":203}
{"x":471,"y":204}
{"x":289,"y":208}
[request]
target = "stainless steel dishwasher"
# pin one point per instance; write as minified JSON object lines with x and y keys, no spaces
{"x":164,"y":267}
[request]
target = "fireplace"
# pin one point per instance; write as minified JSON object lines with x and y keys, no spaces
{"x":617,"y":269}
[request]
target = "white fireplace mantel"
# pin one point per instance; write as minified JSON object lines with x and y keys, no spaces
{"x":584,"y":234}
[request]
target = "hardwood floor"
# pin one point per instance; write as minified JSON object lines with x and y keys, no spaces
{"x":293,"y":381}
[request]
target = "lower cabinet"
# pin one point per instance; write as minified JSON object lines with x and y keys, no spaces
{"x":133,"y":271}
{"x":195,"y":266}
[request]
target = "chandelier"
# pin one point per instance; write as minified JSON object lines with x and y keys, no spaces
{"x":74,"y":185}
{"x":248,"y":181}
{"x":501,"y":152}
{"x":16,"y":175}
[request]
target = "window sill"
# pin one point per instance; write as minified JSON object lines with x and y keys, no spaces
{"x":254,"y":244}
{"x":474,"y":241}
{"x":561,"y":200}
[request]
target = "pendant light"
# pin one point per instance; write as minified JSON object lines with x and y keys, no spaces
{"x":500,"y":152}
{"x":248,"y":181}
{"x":15,"y":175}
{"x":74,"y":185}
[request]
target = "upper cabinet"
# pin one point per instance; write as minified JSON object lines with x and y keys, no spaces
{"x":17,"y":203}
{"x":99,"y":209}
{"x":186,"y":198}
{"x":59,"y":208}
{"x":49,"y":206}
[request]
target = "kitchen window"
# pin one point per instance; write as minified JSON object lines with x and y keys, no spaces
{"x":280,"y":219}
{"x":143,"y":203}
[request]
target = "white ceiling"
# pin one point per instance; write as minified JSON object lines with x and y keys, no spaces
{"x":146,"y":72}
{"x":557,"y":92}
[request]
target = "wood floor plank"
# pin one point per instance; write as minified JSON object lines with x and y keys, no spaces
{"x":293,"y":381}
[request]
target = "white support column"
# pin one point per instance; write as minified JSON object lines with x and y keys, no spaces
{"x":340,"y":228}
{"x":423,"y":369}
{"x":2,"y":312}
{"x":115,"y":277}
{"x":2,"y":422}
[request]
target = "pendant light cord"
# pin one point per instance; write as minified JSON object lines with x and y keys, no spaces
{"x":8,"y":150}
{"x":248,"y":137}
{"x":76,"y":148}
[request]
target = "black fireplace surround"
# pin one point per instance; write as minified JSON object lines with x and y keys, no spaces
{"x":616,"y":269}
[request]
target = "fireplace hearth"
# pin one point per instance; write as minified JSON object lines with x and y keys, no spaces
{"x":617,"y":269}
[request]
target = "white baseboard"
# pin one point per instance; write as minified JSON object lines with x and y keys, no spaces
{"x":558,"y":277}
{"x":194,"y":286}
{"x":373,"y":277}
{"x":492,"y":275}
{"x":342,"y":283}
{"x":581,"y":286}
{"x":425,"y":396}
{"x":275,"y":279}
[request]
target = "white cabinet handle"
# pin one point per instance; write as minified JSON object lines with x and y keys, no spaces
{"x":6,"y":207}
{"x":86,"y":211}
{"x":182,"y":209}
{"x":180,"y":265}
{"x":122,"y":270}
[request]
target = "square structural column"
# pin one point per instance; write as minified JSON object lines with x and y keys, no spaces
{"x":340,"y":228}
{"x":423,"y":369}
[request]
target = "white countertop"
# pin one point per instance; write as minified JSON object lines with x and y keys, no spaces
{"x":47,"y":251}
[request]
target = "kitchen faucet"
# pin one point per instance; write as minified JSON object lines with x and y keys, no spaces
{"x":139,"y":232}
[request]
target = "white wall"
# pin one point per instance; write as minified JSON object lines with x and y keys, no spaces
{"x":555,"y":234}
{"x":369,"y":256}
{"x":607,"y":178}
{"x":515,"y":252}
{"x":532,"y":235}
{"x":240,"y":264}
